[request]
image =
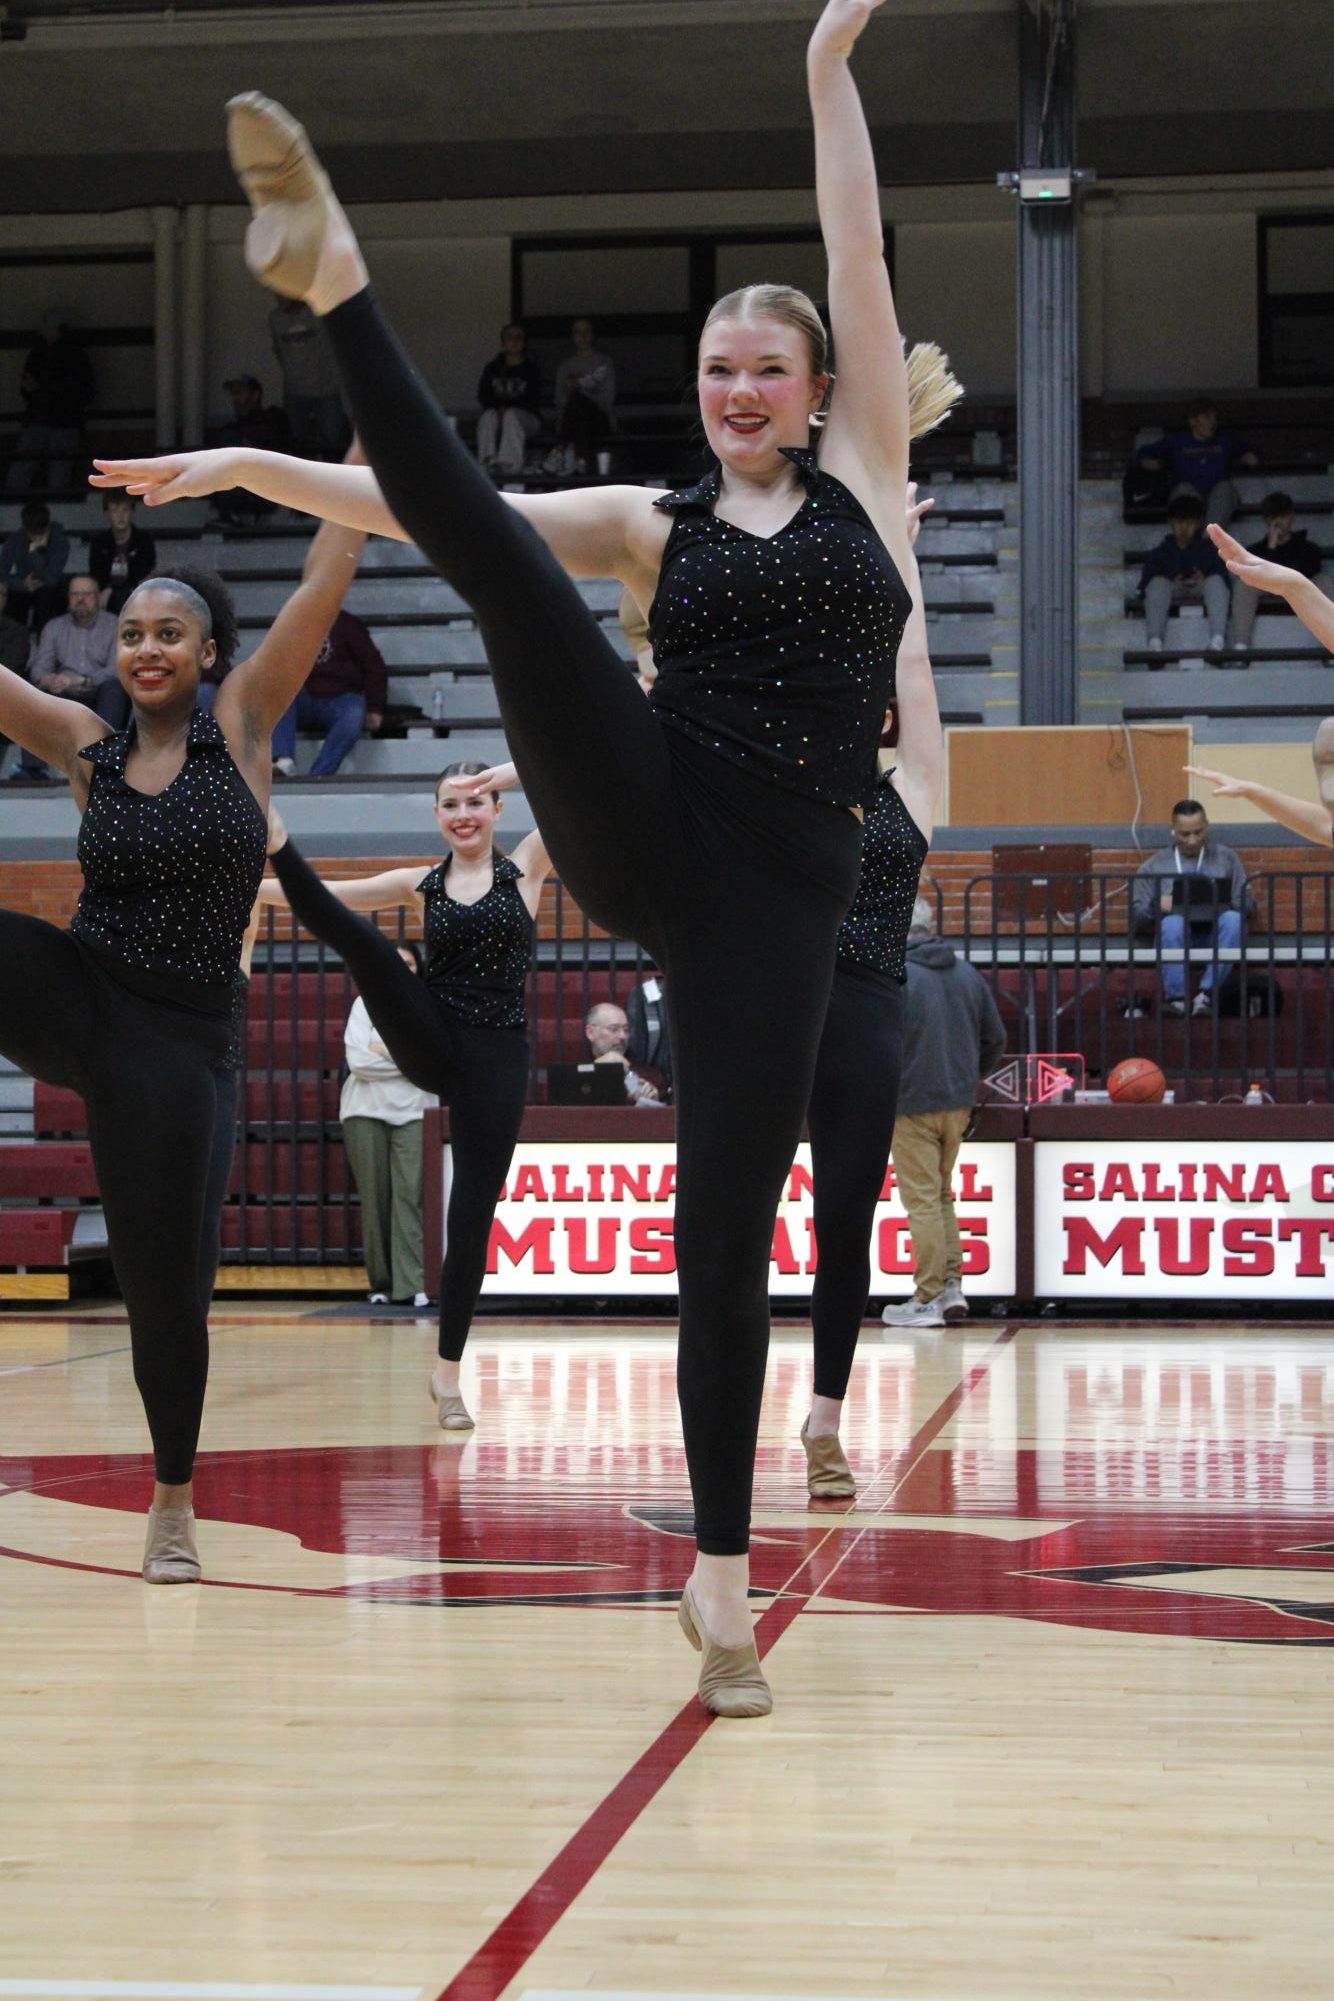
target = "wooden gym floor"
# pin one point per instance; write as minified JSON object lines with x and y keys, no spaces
{"x":1054,"y":1697}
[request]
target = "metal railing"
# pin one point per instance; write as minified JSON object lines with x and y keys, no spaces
{"x":1068,"y":971}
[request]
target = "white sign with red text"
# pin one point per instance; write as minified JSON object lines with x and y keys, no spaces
{"x":583,"y":1217}
{"x":1223,"y":1219}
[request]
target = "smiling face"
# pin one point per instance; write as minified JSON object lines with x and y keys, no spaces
{"x":757,"y":391}
{"x":466,"y":820}
{"x":162,"y":651}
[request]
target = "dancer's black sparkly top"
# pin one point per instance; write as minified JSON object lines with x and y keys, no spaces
{"x":170,"y":879}
{"x":778,"y":652}
{"x":478,"y":954}
{"x":875,"y":930}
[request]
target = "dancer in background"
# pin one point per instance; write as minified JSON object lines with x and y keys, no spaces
{"x":460,"y":1033}
{"x":719,"y":822}
{"x":855,"y":1096}
{"x":136,"y":1005}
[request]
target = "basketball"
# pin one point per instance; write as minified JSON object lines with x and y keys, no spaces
{"x":1137,"y":1081}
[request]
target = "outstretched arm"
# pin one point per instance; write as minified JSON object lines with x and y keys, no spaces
{"x":392,"y":889}
{"x":51,"y":728}
{"x":868,"y":416}
{"x":608,"y":531}
{"x":1307,"y":600}
{"x":262,"y":687}
{"x":1304,"y":816}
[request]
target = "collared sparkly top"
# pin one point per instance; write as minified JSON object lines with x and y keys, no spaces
{"x":778,"y":652}
{"x":170,"y":878}
{"x":875,"y":931}
{"x":478,"y":954}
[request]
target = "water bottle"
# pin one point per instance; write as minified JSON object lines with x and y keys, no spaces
{"x":1254,"y":1095}
{"x":437,"y":705}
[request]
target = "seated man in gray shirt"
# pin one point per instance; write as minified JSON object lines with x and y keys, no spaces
{"x":1195,"y":885}
{"x":76,"y":658}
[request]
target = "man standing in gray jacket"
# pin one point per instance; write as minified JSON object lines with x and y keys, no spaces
{"x":952,"y":1037}
{"x":1198,"y":885}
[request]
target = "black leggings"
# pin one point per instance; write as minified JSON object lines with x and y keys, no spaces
{"x":162,"y":1123}
{"x":851,"y":1125}
{"x":480,"y":1073}
{"x":735,"y":886}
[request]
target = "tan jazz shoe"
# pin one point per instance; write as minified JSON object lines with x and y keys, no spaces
{"x":828,"y":1474}
{"x":170,"y":1552}
{"x":287,"y":188}
{"x":730,"y":1680}
{"x":451,"y":1412}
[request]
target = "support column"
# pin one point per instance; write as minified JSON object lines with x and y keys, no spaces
{"x":165,"y":319}
{"x":1048,"y":373}
{"x":194,"y":323}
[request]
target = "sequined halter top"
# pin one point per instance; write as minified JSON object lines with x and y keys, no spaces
{"x":778,"y":652}
{"x":874,"y":935}
{"x":478,"y":954}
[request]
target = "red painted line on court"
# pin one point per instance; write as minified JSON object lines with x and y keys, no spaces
{"x":502,"y":1956}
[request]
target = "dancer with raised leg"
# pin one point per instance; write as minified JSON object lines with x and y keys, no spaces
{"x":136,"y":1005}
{"x":461,"y":1032}
{"x":719,"y":823}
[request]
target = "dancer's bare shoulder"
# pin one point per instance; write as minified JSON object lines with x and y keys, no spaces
{"x":601,"y":531}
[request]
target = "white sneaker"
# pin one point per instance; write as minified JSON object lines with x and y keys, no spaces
{"x":1202,"y":1002}
{"x":1241,"y":646}
{"x":952,"y":1302}
{"x":915,"y":1313}
{"x":1155,"y":646}
{"x":377,"y":1298}
{"x":285,"y":765}
{"x":421,"y":1299}
{"x":1216,"y":643}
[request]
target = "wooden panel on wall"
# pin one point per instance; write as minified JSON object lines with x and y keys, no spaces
{"x":1081,"y":776}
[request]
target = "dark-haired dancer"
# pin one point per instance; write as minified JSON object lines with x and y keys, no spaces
{"x":719,"y":823}
{"x":855,"y":1095}
{"x":461,"y":1033}
{"x":135,"y":1006}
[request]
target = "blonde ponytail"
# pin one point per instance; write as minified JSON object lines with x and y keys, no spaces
{"x":932,"y":389}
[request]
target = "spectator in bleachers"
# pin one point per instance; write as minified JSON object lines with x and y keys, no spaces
{"x":32,"y":566}
{"x":1201,"y":460}
{"x":76,"y":658}
{"x":585,"y":398}
{"x":381,"y":1114}
{"x":122,"y":554}
{"x":1185,"y":568}
{"x":510,"y":394}
{"x":1167,"y":898}
{"x":260,"y":427}
{"x":1281,"y":543}
{"x":312,"y":399}
{"x":57,"y":388}
{"x":345,"y":693}
{"x":607,"y":1029}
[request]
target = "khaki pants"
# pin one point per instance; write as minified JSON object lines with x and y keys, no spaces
{"x":386,"y":1163}
{"x":925,"y":1149}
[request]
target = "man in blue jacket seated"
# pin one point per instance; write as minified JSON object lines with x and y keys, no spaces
{"x":1200,"y":460}
{"x":1185,"y":568}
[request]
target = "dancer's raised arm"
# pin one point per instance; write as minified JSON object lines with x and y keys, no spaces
{"x":262,"y":688}
{"x":1303,"y":816}
{"x":1306,"y":599}
{"x":47,"y":725}
{"x":868,"y":414}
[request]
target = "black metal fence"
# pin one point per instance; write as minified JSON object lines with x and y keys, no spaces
{"x":1068,"y":969}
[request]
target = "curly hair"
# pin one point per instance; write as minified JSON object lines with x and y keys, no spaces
{"x":208,"y":600}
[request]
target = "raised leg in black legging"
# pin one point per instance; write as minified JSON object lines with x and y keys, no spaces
{"x":397,"y":999}
{"x":851,"y":1125}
